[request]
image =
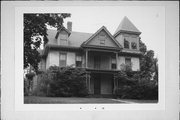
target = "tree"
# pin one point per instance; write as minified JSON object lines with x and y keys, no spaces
{"x":148,"y":63}
{"x":35,"y":33}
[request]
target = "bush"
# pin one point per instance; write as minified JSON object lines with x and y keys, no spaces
{"x":133,"y":86}
{"x":62,"y":82}
{"x":145,"y":92}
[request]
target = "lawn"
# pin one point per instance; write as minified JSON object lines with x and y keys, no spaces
{"x":78,"y":100}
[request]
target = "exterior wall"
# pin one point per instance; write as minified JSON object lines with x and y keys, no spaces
{"x":106,"y":84}
{"x":121,"y":60}
{"x":71,"y":58}
{"x":134,"y":60}
{"x":42,"y":65}
{"x":53,"y":58}
{"x":135,"y":64}
{"x":108,"y":41}
{"x":47,"y":61}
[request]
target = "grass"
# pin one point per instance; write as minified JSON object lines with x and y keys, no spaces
{"x":78,"y":100}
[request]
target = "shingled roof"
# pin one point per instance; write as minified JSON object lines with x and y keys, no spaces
{"x":75,"y":39}
{"x":126,"y":26}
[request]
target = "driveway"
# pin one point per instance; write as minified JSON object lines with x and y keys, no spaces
{"x":76,"y":100}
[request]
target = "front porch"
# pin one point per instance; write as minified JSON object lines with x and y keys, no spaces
{"x":101,"y":83}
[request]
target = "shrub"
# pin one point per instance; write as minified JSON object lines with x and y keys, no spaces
{"x":133,"y":86}
{"x":62,"y":82}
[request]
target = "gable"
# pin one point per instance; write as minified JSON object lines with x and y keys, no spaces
{"x":102,"y":38}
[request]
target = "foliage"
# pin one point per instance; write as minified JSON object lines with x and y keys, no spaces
{"x":148,"y":64}
{"x":30,"y":75}
{"x":35,"y":29}
{"x":63,"y":82}
{"x":138,"y":91}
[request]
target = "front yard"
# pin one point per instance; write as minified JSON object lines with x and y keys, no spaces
{"x":78,"y":100}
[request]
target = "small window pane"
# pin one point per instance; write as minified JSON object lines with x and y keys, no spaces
{"x":133,"y":45}
{"x":62,"y":56}
{"x":78,"y":58}
{"x":126,"y":43}
{"x":113,"y":60}
{"x":128,"y":61}
{"x":62,"y":60}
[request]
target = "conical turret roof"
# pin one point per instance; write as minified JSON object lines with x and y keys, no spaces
{"x":126,"y":26}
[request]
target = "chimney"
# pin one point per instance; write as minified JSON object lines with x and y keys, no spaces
{"x":69,"y":26}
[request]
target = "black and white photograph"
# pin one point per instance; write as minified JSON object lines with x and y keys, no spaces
{"x":90,"y":57}
{"x":93,"y":60}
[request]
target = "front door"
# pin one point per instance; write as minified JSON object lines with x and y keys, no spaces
{"x":97,"y":84}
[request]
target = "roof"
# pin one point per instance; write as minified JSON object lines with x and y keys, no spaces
{"x":75,"y":39}
{"x":127,"y":26}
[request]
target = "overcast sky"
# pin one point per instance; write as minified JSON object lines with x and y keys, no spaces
{"x":150,"y":20}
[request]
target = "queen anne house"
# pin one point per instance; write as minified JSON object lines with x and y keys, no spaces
{"x":101,"y":53}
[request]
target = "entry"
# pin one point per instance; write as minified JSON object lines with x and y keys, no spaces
{"x":97,"y":84}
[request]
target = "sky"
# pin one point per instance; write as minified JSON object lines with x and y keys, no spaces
{"x":150,"y":20}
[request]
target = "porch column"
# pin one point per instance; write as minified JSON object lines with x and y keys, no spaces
{"x":86,"y":58}
{"x":116,"y":60}
{"x":88,"y":81}
{"x":114,"y":82}
{"x":89,"y":86}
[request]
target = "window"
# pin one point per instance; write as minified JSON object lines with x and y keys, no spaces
{"x":113,"y":63}
{"x":62,"y":59}
{"x":126,"y":43}
{"x":128,"y":61}
{"x":78,"y":61}
{"x":102,"y":42}
{"x":133,"y":45}
{"x":63,"y":37}
{"x":102,"y":38}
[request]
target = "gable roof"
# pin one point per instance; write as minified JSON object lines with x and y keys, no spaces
{"x":75,"y":39}
{"x":105,"y":29}
{"x":59,"y":30}
{"x":126,"y":26}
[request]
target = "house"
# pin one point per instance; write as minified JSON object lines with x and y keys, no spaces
{"x":101,"y":53}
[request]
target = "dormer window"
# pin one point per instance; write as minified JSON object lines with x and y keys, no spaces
{"x":126,"y":44}
{"x":63,"y":37}
{"x":133,"y":45}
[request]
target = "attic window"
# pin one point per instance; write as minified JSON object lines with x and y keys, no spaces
{"x":63,"y":37}
{"x":126,"y":43}
{"x":102,"y":42}
{"x":102,"y":38}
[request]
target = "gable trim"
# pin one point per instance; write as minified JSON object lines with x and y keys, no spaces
{"x":63,"y":28}
{"x":84,"y":44}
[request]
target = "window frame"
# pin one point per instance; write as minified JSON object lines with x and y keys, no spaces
{"x":126,"y":60}
{"x":78,"y":55}
{"x":134,"y":43}
{"x":128,"y":43}
{"x":62,"y":53}
{"x":113,"y":63}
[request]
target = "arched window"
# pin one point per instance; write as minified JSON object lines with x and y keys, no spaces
{"x":126,"y":43}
